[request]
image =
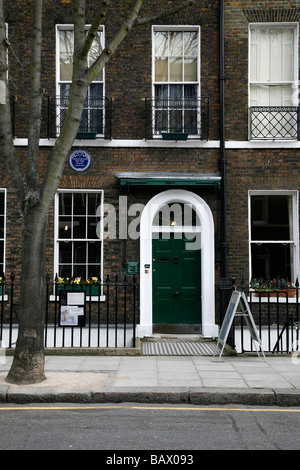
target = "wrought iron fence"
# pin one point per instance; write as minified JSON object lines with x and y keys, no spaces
{"x":108,"y":317}
{"x":96,"y":120}
{"x":177,"y":118}
{"x":276,"y":315}
{"x":93,"y":115}
{"x":273,"y":122}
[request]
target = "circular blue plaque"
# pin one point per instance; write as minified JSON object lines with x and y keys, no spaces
{"x":80,"y":160}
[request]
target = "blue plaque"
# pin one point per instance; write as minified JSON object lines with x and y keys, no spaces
{"x":79,"y":160}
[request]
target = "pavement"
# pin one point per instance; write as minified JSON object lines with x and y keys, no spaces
{"x":196,"y":380}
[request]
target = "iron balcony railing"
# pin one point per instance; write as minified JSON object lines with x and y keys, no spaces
{"x":95,"y":119}
{"x":273,"y":122}
{"x":177,"y":118}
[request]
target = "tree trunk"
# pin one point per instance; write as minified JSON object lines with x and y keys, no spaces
{"x":28,"y":363}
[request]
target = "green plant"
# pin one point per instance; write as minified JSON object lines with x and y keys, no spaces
{"x":271,"y":286}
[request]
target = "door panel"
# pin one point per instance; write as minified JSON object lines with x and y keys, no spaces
{"x":176,"y":282}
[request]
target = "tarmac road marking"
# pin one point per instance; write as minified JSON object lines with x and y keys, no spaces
{"x":145,"y":408}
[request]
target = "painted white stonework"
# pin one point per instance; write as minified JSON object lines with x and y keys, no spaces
{"x":209,"y":327}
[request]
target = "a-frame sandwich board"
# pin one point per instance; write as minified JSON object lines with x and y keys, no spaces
{"x":238,"y":298}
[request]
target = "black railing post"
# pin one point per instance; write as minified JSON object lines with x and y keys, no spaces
{"x":107,"y":309}
{"x":134,"y":279}
{"x":116,"y":310}
{"x":125,"y":308}
{"x":2,"y":304}
{"x":47,"y":309}
{"x":226,"y":286}
{"x":12,"y":280}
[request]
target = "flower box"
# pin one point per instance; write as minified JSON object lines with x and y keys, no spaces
{"x":279,"y":293}
{"x":86,"y":135}
{"x":174,"y":135}
{"x":89,"y":289}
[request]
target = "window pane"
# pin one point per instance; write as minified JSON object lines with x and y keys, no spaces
{"x":66,"y":47}
{"x":95,"y":50}
{"x":2,"y":227}
{"x":65,"y":227}
{"x":161,"y":43}
{"x":176,"y":44}
{"x":65,"y":252}
{"x":94,"y":252}
{"x":1,"y":256}
{"x":65,"y":271}
{"x":176,"y":72}
{"x":94,"y":271}
{"x":80,"y":252}
{"x":94,"y":201}
{"x":190,"y":43}
{"x":271,"y":60}
{"x":80,"y":271}
{"x":271,"y":261}
{"x":65,"y":203}
{"x":92,"y":227}
{"x":79,"y":203}
{"x":271,"y":218}
{"x":190,"y":70}
{"x":2,"y":209}
{"x":161,"y":69}
{"x":79,"y":227}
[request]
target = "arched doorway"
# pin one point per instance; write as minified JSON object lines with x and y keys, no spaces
{"x":193,"y":239}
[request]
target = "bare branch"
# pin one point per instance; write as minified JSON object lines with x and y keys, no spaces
{"x":98,"y":20}
{"x":115,"y":41}
{"x":163,"y":14}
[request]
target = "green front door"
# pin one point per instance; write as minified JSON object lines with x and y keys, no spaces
{"x":176,"y":282}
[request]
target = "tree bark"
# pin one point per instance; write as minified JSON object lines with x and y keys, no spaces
{"x":36,"y":196}
{"x":28,"y":362}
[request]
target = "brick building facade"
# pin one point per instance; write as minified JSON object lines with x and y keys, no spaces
{"x":152,"y":128}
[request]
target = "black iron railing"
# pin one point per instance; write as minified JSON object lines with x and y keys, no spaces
{"x":95,"y":118}
{"x":273,"y":122}
{"x":177,"y":118}
{"x":276,"y":313}
{"x":108,"y":318}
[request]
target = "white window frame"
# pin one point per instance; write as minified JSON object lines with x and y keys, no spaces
{"x":295,"y":98}
{"x":180,"y":28}
{"x":56,"y":225}
{"x":70,"y":27}
{"x":295,"y":215}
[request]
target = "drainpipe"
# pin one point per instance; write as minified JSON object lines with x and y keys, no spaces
{"x":225,"y":285}
{"x":222,"y":141}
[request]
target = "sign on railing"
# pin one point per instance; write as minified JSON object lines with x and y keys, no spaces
{"x":238,"y":298}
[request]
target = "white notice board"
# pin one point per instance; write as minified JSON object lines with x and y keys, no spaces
{"x":238,"y":298}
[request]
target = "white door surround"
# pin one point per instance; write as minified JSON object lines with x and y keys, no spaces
{"x":209,"y":327}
